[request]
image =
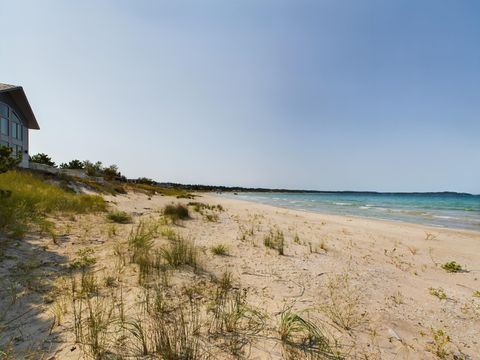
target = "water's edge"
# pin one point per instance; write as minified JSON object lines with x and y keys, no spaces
{"x":458,"y":211}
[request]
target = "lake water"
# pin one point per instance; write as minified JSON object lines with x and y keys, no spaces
{"x":435,"y":209}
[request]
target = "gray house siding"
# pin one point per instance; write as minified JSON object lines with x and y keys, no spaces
{"x":9,"y":139}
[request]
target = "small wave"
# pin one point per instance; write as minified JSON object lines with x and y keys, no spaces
{"x":342,"y":203}
{"x":364,"y":207}
{"x":444,"y":217}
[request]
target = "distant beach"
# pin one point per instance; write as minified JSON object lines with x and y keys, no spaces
{"x":450,"y":210}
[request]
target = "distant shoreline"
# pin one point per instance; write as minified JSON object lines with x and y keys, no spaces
{"x":221,"y":188}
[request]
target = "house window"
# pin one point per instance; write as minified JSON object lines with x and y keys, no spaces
{"x":14,"y":130}
{"x":4,"y":143}
{"x":18,"y":149}
{"x":4,"y":126}
{"x":3,"y":109}
{"x":17,"y":131}
{"x":12,"y":127}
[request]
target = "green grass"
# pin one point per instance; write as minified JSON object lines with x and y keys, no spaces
{"x":220,"y":249}
{"x":120,"y":217}
{"x":151,"y":189}
{"x":452,"y":267}
{"x":181,"y":252}
{"x":439,"y":293}
{"x":32,"y":199}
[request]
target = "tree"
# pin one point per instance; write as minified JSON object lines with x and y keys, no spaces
{"x":74,"y":165}
{"x":111,"y":172}
{"x":144,"y":180}
{"x":93,"y":169}
{"x":7,"y":161}
{"x":42,"y":158}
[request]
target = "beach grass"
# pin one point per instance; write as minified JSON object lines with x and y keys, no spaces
{"x":30,"y":199}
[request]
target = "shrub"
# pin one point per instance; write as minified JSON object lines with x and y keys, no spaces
{"x":111,"y":172}
{"x":452,"y":267}
{"x":42,"y":159}
{"x":220,"y":249}
{"x":176,"y":212}
{"x":73,"y":165}
{"x":146,"y":181}
{"x":120,"y":217}
{"x":7,"y":161}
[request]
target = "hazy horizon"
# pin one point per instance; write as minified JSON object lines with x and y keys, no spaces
{"x":318,"y":95}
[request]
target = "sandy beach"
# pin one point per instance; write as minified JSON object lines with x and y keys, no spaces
{"x":375,"y":288}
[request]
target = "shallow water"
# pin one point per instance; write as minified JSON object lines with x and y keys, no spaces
{"x":434,"y":209}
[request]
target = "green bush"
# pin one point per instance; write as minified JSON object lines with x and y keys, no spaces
{"x":7,"y":161}
{"x":42,"y":159}
{"x":120,"y":217}
{"x":32,"y":199}
{"x":73,"y":165}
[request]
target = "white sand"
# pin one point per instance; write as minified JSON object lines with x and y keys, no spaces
{"x":390,"y":267}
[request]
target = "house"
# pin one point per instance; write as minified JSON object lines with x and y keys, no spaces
{"x":16,"y":119}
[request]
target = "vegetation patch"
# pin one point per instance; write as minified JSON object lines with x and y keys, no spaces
{"x":303,"y":339}
{"x":439,"y":293}
{"x":31,"y":199}
{"x":275,"y":240}
{"x":452,"y":267}
{"x":120,"y":217}
{"x":220,"y":249}
{"x":176,"y":212}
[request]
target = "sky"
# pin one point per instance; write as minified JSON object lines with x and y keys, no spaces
{"x":327,"y":95}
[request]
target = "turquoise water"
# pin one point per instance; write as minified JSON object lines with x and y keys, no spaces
{"x":435,"y":209}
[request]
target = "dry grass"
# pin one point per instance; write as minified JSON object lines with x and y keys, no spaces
{"x":120,"y":217}
{"x":275,"y":240}
{"x":342,"y":303}
{"x":176,"y":212}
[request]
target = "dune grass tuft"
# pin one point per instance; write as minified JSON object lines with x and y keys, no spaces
{"x":219,"y":249}
{"x":176,"y":212}
{"x":120,"y":217}
{"x":181,"y":252}
{"x":275,"y":240}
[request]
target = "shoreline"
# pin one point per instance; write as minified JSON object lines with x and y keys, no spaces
{"x":360,"y":217}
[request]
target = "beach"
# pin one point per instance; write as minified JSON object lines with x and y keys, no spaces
{"x":375,"y":288}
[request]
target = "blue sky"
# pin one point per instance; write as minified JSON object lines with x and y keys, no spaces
{"x":330,"y":95}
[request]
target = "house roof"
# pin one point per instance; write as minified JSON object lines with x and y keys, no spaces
{"x":20,"y":99}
